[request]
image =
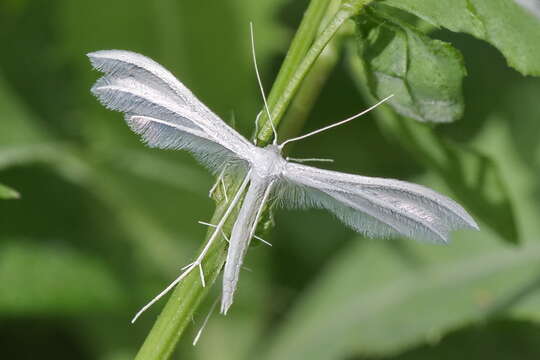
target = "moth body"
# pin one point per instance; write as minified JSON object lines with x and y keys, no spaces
{"x":242,"y":233}
{"x":267,"y":161}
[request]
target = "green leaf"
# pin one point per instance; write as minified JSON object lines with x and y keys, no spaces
{"x":472,"y":176}
{"x":382,"y":297}
{"x":503,"y":23}
{"x":8,"y":193}
{"x":38,"y":278}
{"x":425,"y":75}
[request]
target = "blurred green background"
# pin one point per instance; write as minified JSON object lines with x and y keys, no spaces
{"x":104,"y":223}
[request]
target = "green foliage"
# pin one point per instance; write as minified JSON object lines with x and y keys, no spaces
{"x":33,"y":278}
{"x":483,"y":342}
{"x":18,"y":126}
{"x":104,"y":223}
{"x":8,"y":193}
{"x":380,"y":298}
{"x":423,"y":74}
{"x":502,"y":23}
{"x":472,"y":176}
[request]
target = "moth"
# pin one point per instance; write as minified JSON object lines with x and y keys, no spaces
{"x":167,"y":115}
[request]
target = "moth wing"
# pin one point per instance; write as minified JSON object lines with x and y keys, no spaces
{"x":162,"y":110}
{"x":376,"y":207}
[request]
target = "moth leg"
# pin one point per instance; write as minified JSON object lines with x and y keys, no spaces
{"x":198,"y":261}
{"x":232,"y":122}
{"x":201,"y":273}
{"x":186,"y":266}
{"x":224,"y":189}
{"x":207,"y":317}
{"x":262,"y":240}
{"x":256,"y":127}
{"x":185,"y":273}
{"x":212,"y":225}
{"x":220,"y":181}
{"x":216,"y":184}
{"x":227,"y":239}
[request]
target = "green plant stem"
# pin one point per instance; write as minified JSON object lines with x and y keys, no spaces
{"x":284,"y":90}
{"x":306,"y":33}
{"x":303,"y":102}
{"x":187,"y":296}
{"x":178,"y":312}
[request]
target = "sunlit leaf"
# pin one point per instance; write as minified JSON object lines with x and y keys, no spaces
{"x":473,"y":177}
{"x":503,"y":23}
{"x":532,"y":6}
{"x":8,"y":193}
{"x":423,"y":74}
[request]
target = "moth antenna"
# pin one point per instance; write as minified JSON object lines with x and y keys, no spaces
{"x":210,"y":312}
{"x":335,"y":124}
{"x":260,"y":83}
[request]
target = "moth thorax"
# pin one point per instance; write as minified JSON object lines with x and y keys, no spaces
{"x":267,"y":161}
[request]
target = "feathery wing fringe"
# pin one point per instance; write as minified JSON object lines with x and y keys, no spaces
{"x":375,"y":207}
{"x":162,"y":110}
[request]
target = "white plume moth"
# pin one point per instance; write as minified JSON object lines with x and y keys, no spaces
{"x":168,"y":116}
